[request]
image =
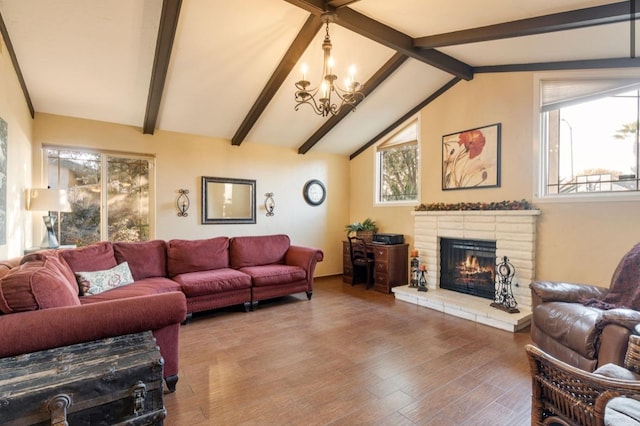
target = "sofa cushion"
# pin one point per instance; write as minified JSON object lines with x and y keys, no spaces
{"x":267,"y":275}
{"x":96,"y":257}
{"x":622,"y":411}
{"x":616,"y":372}
{"x":99,"y":281}
{"x":44,"y":254}
{"x":144,"y":287}
{"x":570,"y":324}
{"x":197,"y":255}
{"x":258,"y":250}
{"x":146,"y":259}
{"x":200,"y":283}
{"x":37,"y":284}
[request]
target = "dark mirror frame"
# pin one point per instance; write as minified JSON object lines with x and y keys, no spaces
{"x":248,"y":203}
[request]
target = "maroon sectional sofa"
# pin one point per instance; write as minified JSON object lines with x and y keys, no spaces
{"x":42,"y":309}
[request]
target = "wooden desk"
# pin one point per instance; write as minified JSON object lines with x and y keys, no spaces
{"x":391,"y":269}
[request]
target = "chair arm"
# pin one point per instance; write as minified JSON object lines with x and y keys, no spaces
{"x":575,"y":394}
{"x":26,"y":332}
{"x":627,"y":318}
{"x":554,"y":291}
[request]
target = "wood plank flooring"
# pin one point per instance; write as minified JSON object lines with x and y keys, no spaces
{"x":350,"y":356}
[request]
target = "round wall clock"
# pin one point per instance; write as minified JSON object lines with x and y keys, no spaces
{"x":314,"y":192}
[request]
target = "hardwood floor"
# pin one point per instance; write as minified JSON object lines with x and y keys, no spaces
{"x":349,"y":356}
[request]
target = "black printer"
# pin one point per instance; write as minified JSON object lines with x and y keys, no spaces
{"x":388,"y":239}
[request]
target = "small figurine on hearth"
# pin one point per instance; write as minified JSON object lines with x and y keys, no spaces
{"x":422,"y":281}
{"x":415,"y":271}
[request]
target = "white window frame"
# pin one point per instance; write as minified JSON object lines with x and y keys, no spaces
{"x":377,"y":170}
{"x":540,"y":149}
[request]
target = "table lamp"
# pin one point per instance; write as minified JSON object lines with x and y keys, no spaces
{"x":49,"y":200}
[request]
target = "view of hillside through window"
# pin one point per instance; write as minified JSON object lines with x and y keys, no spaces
{"x":93,"y":180}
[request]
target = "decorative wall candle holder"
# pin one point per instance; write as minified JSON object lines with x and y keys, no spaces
{"x":269,"y":204}
{"x":183,"y":203}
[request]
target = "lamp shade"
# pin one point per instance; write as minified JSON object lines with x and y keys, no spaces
{"x":45,"y":199}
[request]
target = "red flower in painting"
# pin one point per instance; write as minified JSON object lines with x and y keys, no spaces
{"x":473,"y":141}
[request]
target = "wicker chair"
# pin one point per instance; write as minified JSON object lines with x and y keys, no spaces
{"x":567,"y":396}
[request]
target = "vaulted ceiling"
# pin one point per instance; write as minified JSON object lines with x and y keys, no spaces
{"x":226,"y":69}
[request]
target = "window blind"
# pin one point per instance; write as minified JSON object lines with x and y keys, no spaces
{"x":556,"y":94}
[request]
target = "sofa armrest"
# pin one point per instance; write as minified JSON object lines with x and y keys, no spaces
{"x":31,"y":331}
{"x":304,"y":257}
{"x":554,"y":291}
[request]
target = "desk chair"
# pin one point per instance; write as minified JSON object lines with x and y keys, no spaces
{"x":361,"y":258}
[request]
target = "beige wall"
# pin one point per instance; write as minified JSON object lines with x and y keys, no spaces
{"x":181,"y":161}
{"x":577,"y":242}
{"x":14,"y":110}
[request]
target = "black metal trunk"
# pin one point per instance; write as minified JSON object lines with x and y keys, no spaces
{"x":104,"y":382}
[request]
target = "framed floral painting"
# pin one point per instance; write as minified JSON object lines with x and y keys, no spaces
{"x":471,"y":158}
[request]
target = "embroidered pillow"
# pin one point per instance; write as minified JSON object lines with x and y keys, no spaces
{"x":99,"y":281}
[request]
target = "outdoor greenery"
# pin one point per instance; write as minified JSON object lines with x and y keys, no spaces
{"x":127,"y":196}
{"x":399,"y":177}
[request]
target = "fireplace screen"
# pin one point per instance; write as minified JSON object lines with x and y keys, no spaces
{"x":468,"y":266}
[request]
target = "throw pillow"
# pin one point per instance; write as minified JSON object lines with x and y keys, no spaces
{"x":616,"y":372}
{"x":98,"y":281}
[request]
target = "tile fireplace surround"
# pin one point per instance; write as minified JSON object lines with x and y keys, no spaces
{"x":514,"y":232}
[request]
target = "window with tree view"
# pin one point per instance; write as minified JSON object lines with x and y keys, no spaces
{"x":590,"y":136}
{"x":397,"y":166}
{"x":109,"y":195}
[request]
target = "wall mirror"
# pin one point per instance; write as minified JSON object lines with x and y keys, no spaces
{"x":227,"y":200}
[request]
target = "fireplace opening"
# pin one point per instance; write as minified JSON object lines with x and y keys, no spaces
{"x":468,"y":266}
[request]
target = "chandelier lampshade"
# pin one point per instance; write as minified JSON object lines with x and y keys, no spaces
{"x":328,"y":98}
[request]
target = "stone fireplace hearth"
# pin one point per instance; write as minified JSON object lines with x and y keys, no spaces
{"x":514,"y":233}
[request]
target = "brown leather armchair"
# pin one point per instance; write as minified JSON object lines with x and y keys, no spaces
{"x":588,"y":326}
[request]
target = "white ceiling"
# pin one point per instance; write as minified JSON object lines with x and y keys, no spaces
{"x":94,"y":59}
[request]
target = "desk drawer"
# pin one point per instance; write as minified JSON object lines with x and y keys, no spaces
{"x":381,"y":267}
{"x":380,"y":283}
{"x":381,"y":253}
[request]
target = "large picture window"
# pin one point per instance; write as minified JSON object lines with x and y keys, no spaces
{"x":109,"y":194}
{"x":397,"y":167}
{"x":589,"y":137}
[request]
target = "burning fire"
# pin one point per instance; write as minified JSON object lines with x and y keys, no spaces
{"x":471,"y":266}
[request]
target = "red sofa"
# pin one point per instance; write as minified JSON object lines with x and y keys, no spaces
{"x":42,"y":309}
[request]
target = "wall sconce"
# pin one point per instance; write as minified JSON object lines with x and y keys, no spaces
{"x":269,"y":203}
{"x":183,"y":202}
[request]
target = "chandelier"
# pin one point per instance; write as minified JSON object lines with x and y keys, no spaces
{"x":320,"y":98}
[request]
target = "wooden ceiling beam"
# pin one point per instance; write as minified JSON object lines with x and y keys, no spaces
{"x":406,"y":116}
{"x":381,"y":75}
{"x":310,"y":28}
{"x":16,"y":66}
{"x":583,"y":64}
{"x":580,"y":18}
{"x":389,"y":37}
{"x":166,"y":34}
{"x":340,"y":3}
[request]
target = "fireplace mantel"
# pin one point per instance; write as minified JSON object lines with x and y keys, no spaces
{"x":514,"y":232}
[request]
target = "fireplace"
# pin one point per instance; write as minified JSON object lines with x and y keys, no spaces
{"x":468,"y":266}
{"x":514,"y":233}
